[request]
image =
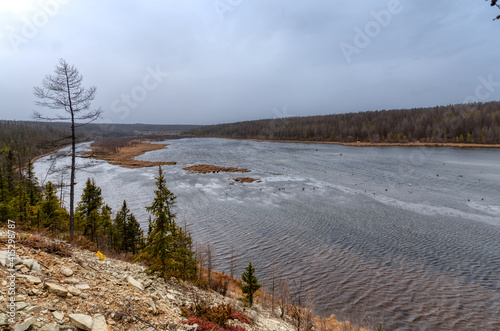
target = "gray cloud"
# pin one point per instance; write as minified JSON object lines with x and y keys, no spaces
{"x":261,"y":55}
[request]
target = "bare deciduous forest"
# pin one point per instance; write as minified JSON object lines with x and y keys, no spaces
{"x":463,"y":123}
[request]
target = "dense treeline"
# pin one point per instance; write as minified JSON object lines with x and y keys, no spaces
{"x":33,"y":207}
{"x":463,"y":123}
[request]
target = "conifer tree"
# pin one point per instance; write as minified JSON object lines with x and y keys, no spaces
{"x":127,"y":234}
{"x":133,"y":235}
{"x":166,"y":241}
{"x":93,"y":217}
{"x":50,"y":214}
{"x":32,"y":185}
{"x":250,"y":284}
{"x":119,"y":224}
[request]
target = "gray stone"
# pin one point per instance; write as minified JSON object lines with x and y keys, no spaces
{"x":33,"y":310}
{"x":50,"y":327}
{"x":99,"y":323}
{"x":28,"y":262}
{"x":84,"y":295}
{"x":135,"y":283}
{"x":57,"y":289}
{"x":21,"y":305}
{"x":151,"y":304}
{"x":4,"y":259}
{"x":81,"y":321}
{"x":4,"y":320}
{"x":66,"y":272}
{"x":19,"y":297}
{"x":33,"y":280}
{"x":36,"y":268}
{"x":82,"y":286}
{"x":57,"y":315}
{"x":25,"y":324}
{"x":71,"y":281}
{"x":74,"y":290}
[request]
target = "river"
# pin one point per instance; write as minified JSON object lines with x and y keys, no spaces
{"x":407,"y":237}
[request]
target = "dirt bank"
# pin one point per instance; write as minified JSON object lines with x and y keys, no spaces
{"x":207,"y":168}
{"x":124,"y":156}
{"x":371,"y":144}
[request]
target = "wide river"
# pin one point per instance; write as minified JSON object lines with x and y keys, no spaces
{"x":407,"y":237}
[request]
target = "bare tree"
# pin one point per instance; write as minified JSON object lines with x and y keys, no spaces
{"x":63,"y":91}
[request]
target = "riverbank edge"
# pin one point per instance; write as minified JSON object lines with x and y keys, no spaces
{"x":369,"y":144}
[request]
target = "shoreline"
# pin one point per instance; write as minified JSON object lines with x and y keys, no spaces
{"x":370,"y":144}
{"x":124,"y":156}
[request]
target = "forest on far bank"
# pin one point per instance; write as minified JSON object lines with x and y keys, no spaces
{"x":462,"y":123}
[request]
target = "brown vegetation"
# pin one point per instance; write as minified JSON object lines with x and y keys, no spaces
{"x":206,"y":169}
{"x":122,"y":151}
{"x":246,"y":180}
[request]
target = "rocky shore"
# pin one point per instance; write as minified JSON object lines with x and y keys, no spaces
{"x":58,"y":286}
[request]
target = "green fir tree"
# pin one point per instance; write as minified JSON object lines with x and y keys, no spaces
{"x":250,"y":284}
{"x":166,"y":244}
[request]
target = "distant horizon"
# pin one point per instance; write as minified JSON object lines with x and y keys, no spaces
{"x":250,"y":120}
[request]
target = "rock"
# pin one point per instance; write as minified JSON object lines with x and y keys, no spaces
{"x":24,"y":325}
{"x":21,"y":305}
{"x":81,"y":321}
{"x":151,"y":304}
{"x":36,"y":268}
{"x":57,"y":315}
{"x":148,"y":283}
{"x":28,"y":262}
{"x":57,"y":289}
{"x":19,"y":297}
{"x":4,"y":259}
{"x":82,"y":286}
{"x":66,"y":272}
{"x":50,"y":327}
{"x":33,"y":280}
{"x":35,"y":291}
{"x":33,"y":310}
{"x":99,"y":323}
{"x":84,"y":295}
{"x":24,"y":270}
{"x":71,"y":281}
{"x":74,"y":290}
{"x":4,"y":320}
{"x":135,"y":283}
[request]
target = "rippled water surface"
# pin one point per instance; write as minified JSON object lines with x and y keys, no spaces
{"x":409,"y":237}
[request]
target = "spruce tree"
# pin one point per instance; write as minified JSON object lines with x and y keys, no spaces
{"x":119,"y":225}
{"x":50,"y":214}
{"x":32,"y":184}
{"x":166,"y":241}
{"x":133,"y":235}
{"x":93,"y":217}
{"x":250,"y":284}
{"x":127,"y":233}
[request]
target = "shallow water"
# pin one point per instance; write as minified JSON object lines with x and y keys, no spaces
{"x":407,"y":237}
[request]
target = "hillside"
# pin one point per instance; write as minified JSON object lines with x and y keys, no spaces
{"x":60,"y":286}
{"x":464,"y":123}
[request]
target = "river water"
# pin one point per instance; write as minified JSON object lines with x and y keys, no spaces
{"x":407,"y":237}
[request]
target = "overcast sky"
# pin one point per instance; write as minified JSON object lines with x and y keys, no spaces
{"x":215,"y":61}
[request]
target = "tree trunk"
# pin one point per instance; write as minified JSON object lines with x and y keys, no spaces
{"x":72,"y":183}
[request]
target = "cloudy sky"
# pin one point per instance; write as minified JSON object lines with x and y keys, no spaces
{"x":214,"y":61}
